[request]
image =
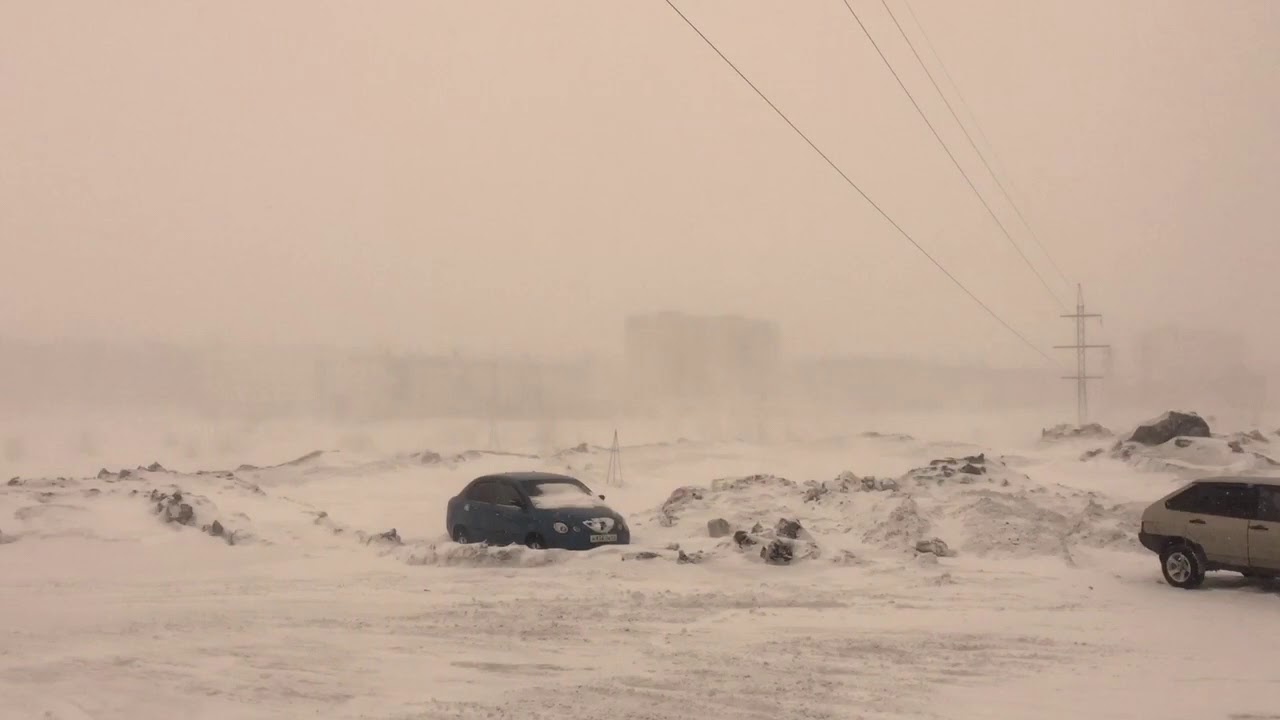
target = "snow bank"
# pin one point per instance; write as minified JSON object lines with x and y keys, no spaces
{"x":972,"y":505}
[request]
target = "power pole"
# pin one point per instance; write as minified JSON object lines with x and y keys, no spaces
{"x":614,"y":475}
{"x":1082,"y":347}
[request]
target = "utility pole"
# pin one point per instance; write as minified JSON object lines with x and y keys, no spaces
{"x":614,"y":475}
{"x":1082,"y":347}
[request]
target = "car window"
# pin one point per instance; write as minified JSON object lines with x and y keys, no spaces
{"x":1221,"y":499}
{"x":1268,"y":503}
{"x":1189,"y":500}
{"x":481,"y":492}
{"x":505,"y":494}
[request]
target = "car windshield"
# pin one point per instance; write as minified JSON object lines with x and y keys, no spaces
{"x":560,"y":494}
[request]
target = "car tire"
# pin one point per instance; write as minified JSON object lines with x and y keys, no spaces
{"x":535,"y":542}
{"x":1182,"y":567}
{"x":460,"y":535}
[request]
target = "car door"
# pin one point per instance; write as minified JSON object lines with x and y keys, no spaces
{"x":511,"y":519}
{"x":478,"y":514}
{"x":1264,"y":530}
{"x":1217,"y":517}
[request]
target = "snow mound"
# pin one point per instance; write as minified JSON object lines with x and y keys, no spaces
{"x":450,"y":554}
{"x":1192,"y":456}
{"x":969,"y":470}
{"x":1065,"y":432}
{"x":973,"y":505}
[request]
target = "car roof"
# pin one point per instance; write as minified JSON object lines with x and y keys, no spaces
{"x":1268,"y":480}
{"x":530,"y":477}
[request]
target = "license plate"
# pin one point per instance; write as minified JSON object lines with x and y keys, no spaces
{"x":604,"y":538}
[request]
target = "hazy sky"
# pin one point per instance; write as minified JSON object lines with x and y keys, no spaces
{"x":520,"y":175}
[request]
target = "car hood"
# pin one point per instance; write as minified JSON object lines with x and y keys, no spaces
{"x":572,"y":515}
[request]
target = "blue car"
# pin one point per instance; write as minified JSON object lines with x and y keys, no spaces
{"x":540,"y":510}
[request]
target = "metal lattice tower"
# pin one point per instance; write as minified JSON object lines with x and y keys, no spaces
{"x":1082,"y":347}
{"x":614,"y":475}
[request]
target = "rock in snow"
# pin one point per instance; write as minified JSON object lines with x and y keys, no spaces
{"x":934,"y":546}
{"x":789,"y":529}
{"x":718,"y":528}
{"x":1171,"y":425}
{"x":778,"y":552}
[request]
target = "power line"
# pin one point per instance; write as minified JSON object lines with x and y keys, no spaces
{"x":954,"y":161}
{"x":965,"y":130}
{"x":857,"y":189}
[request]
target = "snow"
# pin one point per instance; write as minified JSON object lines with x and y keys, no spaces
{"x":562,"y":495}
{"x":307,"y":605}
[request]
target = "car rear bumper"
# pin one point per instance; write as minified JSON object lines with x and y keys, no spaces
{"x":1154,"y":543}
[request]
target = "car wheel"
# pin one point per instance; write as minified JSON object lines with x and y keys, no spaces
{"x":460,"y":535}
{"x":1182,"y":567}
{"x":535,"y":542}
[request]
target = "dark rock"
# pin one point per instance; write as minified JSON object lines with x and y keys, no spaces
{"x":684,"y":559}
{"x":104,"y":473}
{"x":933,"y":547}
{"x":742,"y":539}
{"x":789,"y":529}
{"x":1236,"y":447}
{"x":390,"y":536}
{"x":184,"y":515}
{"x":642,"y":555}
{"x":757,"y":529}
{"x":971,"y":469}
{"x":1091,"y":454}
{"x":426,"y":457}
{"x":1182,"y":442}
{"x":1257,"y":436}
{"x":979,"y":459}
{"x":216,"y":529}
{"x":15,"y":481}
{"x":125,"y":474}
{"x":815,"y":493}
{"x":778,"y":552}
{"x":246,"y":468}
{"x":155,"y":467}
{"x":718,"y":528}
{"x":1169,"y":426}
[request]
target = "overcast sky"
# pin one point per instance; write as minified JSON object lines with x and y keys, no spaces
{"x":521,"y":175}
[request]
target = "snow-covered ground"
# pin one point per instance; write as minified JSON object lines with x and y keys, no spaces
{"x":296,"y":605}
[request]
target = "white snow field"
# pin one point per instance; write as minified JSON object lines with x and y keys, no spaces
{"x":116,"y":602}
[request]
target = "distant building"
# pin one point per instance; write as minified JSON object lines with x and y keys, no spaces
{"x":675,"y":356}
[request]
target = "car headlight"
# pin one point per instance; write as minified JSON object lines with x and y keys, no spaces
{"x":560,"y":528}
